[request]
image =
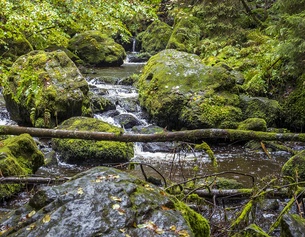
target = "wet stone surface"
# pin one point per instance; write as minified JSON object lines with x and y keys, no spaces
{"x":99,"y":202}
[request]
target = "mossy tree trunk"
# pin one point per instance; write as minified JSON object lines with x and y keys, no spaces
{"x":188,"y":135}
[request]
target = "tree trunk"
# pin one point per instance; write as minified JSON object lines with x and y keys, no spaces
{"x":188,"y":135}
{"x":31,"y":180}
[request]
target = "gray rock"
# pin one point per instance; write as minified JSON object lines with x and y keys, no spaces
{"x":102,"y":202}
{"x":292,"y":225}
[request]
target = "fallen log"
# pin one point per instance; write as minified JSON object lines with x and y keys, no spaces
{"x":241,"y":193}
{"x":188,"y":135}
{"x":31,"y":180}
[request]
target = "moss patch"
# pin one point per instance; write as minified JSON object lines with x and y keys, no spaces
{"x":187,"y":93}
{"x":295,"y":166}
{"x":97,"y":49}
{"x":19,"y":156}
{"x":197,"y":222}
{"x":155,"y":37}
{"x":90,"y":152}
{"x":45,"y":88}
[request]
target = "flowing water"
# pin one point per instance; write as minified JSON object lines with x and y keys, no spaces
{"x":175,"y":160}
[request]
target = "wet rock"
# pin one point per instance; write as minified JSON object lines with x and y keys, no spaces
{"x":179,"y":91}
{"x":129,"y":104}
{"x":138,"y":57}
{"x":45,"y":88}
{"x":255,"y":124}
{"x":104,"y":202}
{"x":155,"y":37}
{"x":295,"y":166}
{"x":101,"y":104}
{"x":158,"y":147}
{"x":97,"y":49}
{"x":292,"y":225}
{"x":19,"y":156}
{"x":261,"y":107}
{"x":90,"y":152}
{"x":127,"y":120}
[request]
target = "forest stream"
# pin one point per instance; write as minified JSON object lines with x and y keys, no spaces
{"x":173,"y":160}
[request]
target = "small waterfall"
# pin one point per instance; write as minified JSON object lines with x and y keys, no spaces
{"x":134,"y":41}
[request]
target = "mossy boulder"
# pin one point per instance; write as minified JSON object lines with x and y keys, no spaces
{"x":255,"y":124}
{"x":261,"y":107}
{"x":186,"y":34}
{"x":178,"y":90}
{"x":104,"y":202}
{"x":45,"y":88}
{"x":295,"y":166}
{"x":155,"y":37}
{"x":97,"y":49}
{"x":90,"y":152}
{"x":19,"y":156}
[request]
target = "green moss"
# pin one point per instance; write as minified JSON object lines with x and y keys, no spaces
{"x":97,"y":49}
{"x":255,"y":124}
{"x":295,"y":167}
{"x":252,"y":231}
{"x":186,"y":93}
{"x":90,"y":151}
{"x":45,"y":81}
{"x":197,"y":222}
{"x":186,"y":35}
{"x":19,"y":157}
{"x":155,"y":37}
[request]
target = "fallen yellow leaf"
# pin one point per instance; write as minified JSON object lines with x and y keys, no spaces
{"x":114,"y":198}
{"x":80,"y":191}
{"x":32,"y":213}
{"x":46,"y":218}
{"x":115,"y":206}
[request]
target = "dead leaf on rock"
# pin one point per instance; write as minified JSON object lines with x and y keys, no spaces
{"x":117,"y":199}
{"x":31,"y":227}
{"x":46,"y":218}
{"x":113,"y":176}
{"x":115,"y":206}
{"x":148,"y":187}
{"x":183,"y":233}
{"x":32,"y":213}
{"x":80,"y":191}
{"x":164,"y":208}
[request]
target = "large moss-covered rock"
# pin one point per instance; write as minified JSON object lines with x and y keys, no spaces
{"x":19,"y":156}
{"x":261,"y":107}
{"x":295,"y":166}
{"x":155,"y":37}
{"x":97,"y":49}
{"x":90,"y":152}
{"x":45,"y":88}
{"x":186,"y":35}
{"x":104,"y":202}
{"x":179,"y":91}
